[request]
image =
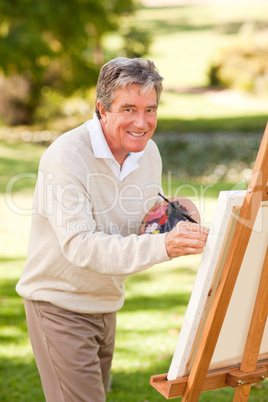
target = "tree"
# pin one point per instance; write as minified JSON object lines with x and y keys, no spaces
{"x":56,"y":43}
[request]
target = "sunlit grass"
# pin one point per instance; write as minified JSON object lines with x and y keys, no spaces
{"x":208,"y":105}
{"x":189,"y":56}
{"x":18,"y":162}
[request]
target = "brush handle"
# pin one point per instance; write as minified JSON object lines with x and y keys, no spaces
{"x":184,"y":213}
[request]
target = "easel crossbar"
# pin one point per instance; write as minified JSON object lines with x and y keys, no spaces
{"x":214,"y":380}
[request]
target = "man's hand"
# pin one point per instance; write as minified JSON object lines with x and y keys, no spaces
{"x":186,"y":238}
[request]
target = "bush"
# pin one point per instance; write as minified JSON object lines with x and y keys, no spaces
{"x":15,"y":94}
{"x":242,"y":67}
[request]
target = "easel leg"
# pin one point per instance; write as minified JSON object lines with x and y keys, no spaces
{"x":255,"y":335}
{"x":242,"y":393}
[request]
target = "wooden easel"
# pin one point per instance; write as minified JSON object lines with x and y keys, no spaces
{"x":251,"y":370}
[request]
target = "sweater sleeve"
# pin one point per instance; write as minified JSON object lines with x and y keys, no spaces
{"x":67,"y":205}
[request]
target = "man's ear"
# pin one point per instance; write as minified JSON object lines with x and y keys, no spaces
{"x":102,"y":111}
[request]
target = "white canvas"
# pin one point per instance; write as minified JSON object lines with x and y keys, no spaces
{"x":233,"y":335}
{"x":231,"y":342}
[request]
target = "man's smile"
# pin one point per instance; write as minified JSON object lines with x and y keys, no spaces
{"x":136,"y":134}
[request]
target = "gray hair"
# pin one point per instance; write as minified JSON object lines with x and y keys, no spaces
{"x":122,"y":72}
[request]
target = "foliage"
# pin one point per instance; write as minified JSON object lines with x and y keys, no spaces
{"x":243,"y":67}
{"x":56,"y":43}
{"x":137,"y":41}
{"x":216,"y":155}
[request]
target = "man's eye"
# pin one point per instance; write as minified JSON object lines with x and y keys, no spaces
{"x":151,"y":110}
{"x":129,"y":110}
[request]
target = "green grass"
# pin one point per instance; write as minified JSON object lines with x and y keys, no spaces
{"x":18,"y":164}
{"x":19,"y":380}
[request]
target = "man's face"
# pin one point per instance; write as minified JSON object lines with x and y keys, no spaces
{"x":131,"y":122}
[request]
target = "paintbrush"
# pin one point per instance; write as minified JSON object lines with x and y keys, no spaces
{"x":180,"y":210}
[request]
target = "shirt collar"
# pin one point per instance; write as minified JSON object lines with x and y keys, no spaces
{"x":98,"y":141}
{"x":101,"y":150}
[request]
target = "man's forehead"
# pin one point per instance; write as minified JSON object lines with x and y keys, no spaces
{"x":125,"y":95}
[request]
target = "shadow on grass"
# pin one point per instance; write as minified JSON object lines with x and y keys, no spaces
{"x":148,"y":276}
{"x":12,"y":312}
{"x":157,"y":303}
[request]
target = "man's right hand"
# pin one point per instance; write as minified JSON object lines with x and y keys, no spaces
{"x":186,"y":238}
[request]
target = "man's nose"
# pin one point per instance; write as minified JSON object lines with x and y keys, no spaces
{"x":140,"y":121}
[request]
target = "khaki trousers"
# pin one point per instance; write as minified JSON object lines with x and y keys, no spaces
{"x":73,"y":351}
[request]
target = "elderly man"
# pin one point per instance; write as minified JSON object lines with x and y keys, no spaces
{"x":95,"y":184}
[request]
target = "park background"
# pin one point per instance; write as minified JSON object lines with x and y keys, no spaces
{"x":212,"y":115}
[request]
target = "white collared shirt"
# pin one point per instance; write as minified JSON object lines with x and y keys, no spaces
{"x":101,"y":150}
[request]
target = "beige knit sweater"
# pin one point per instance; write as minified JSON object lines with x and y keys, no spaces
{"x":84,"y":237}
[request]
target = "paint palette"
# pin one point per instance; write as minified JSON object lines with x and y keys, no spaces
{"x":163,"y":217}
